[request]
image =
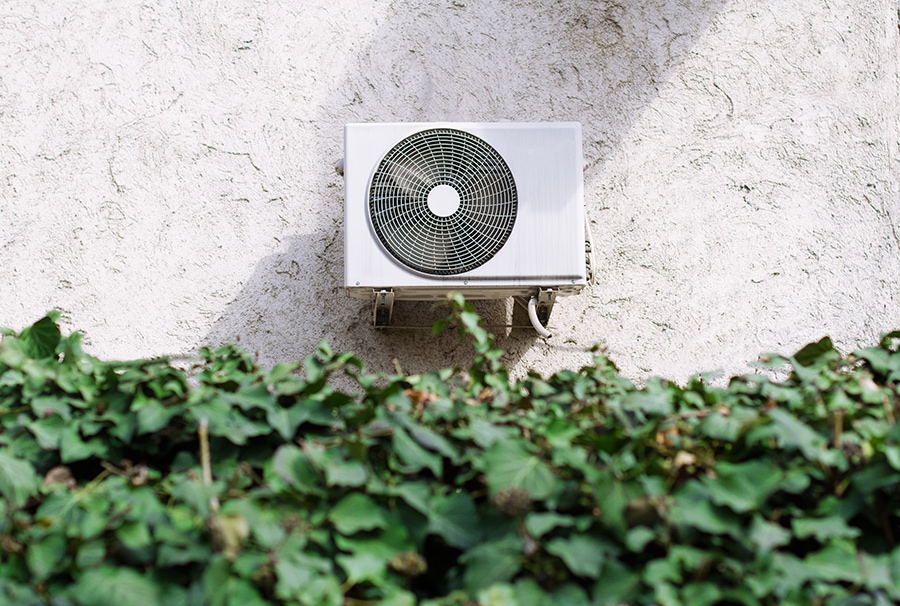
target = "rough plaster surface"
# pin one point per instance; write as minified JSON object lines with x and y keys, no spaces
{"x":167,"y":181}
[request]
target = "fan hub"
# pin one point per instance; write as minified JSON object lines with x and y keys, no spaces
{"x":443,"y":200}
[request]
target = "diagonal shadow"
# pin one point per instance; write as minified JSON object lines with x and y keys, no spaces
{"x":599,"y":63}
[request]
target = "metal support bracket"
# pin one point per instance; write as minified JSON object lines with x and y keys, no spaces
{"x":589,"y":262}
{"x":384,"y":307}
{"x":545,"y":299}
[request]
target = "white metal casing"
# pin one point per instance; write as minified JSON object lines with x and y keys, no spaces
{"x":546,"y":248}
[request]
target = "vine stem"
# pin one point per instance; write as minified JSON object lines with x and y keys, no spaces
{"x":205,"y":463}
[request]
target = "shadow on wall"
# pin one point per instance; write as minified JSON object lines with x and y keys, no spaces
{"x":595,"y":62}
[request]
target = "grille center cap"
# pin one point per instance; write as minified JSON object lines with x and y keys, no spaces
{"x":443,"y":200}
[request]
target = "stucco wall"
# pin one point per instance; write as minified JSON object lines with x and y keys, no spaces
{"x":167,"y":180}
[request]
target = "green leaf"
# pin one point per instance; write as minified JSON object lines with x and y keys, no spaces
{"x":307,"y":579}
{"x":661,"y":570}
{"x":793,"y":433}
{"x":18,"y":480}
{"x":46,"y":407}
{"x":656,"y":402}
{"x":47,"y":431}
{"x":412,"y":456}
{"x":431,"y":440}
{"x":197,"y":495}
{"x":529,"y":593}
{"x":153,"y":417}
{"x":454,"y":519}
{"x":215,"y":580}
{"x":583,"y":554}
{"x":345,"y":473}
{"x":44,"y":556}
{"x":242,"y":593}
{"x":509,"y":464}
{"x":483,"y":433}
{"x":356,"y":512}
{"x":294,"y":467}
{"x":743,"y":486}
{"x":637,"y":538}
{"x":766,"y":535}
{"x":837,"y":561}
{"x":416,"y":494}
{"x":813,"y":352}
{"x":41,"y":338}
{"x":500,"y":594}
{"x":539,"y":524}
{"x":107,"y":586}
{"x":824,"y":529}
{"x":90,"y":554}
{"x":491,"y":563}
{"x":617,"y":584}
{"x":720,"y":427}
{"x":134,"y":534}
{"x":691,"y":507}
{"x":287,"y":420}
{"x":73,"y":448}
{"x":362,"y":567}
{"x":701,"y":594}
{"x":172,"y":555}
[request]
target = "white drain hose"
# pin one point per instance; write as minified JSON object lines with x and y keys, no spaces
{"x":532,"y":315}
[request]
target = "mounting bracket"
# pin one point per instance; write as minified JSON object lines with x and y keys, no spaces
{"x":545,"y":299}
{"x":384,"y":307}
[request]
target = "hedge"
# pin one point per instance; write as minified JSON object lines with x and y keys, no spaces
{"x":141,"y":483}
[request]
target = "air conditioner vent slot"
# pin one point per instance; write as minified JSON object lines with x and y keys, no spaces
{"x":443,"y":202}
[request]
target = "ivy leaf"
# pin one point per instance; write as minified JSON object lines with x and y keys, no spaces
{"x":356,"y":512}
{"x":73,"y":448}
{"x":509,"y":464}
{"x":617,"y":584}
{"x":412,"y":456}
{"x":294,"y":467}
{"x":18,"y":480}
{"x":837,"y":561}
{"x":767,"y":535}
{"x":153,"y":417}
{"x":792,"y":433}
{"x":41,"y":338}
{"x":107,"y":586}
{"x":583,"y":554}
{"x":653,"y":400}
{"x":454,"y":519}
{"x":813,"y":352}
{"x":539,"y":524}
{"x":491,"y":563}
{"x":416,"y":494}
{"x":482,"y":432}
{"x":691,"y":507}
{"x":287,"y":420}
{"x":43,"y":556}
{"x":345,"y":473}
{"x":824,"y":529}
{"x":46,"y":431}
{"x":743,"y":486}
{"x":361,"y":567}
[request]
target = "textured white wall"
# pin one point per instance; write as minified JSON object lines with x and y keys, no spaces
{"x":166,"y":169}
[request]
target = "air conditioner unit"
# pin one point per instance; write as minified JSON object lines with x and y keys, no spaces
{"x":488,"y":210}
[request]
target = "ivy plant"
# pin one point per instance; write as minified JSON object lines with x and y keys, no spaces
{"x":144,"y":483}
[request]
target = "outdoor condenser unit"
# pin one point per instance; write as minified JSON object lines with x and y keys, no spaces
{"x":488,"y":210}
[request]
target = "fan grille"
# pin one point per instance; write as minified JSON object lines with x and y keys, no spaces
{"x":441,"y":238}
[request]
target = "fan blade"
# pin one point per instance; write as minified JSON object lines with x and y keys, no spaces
{"x":409,"y":175}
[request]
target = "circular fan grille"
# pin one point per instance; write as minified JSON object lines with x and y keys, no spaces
{"x":443,"y":201}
